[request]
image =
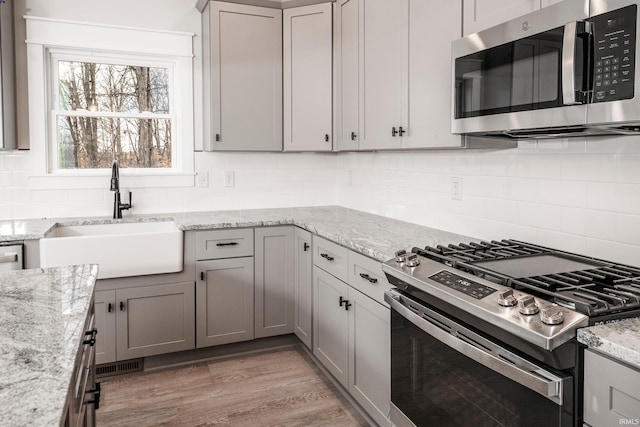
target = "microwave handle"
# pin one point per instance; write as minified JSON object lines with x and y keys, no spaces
{"x":569,"y":63}
{"x":573,"y":31}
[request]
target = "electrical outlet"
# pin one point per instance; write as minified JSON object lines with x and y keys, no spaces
{"x":229,"y":178}
{"x":203,"y":179}
{"x":456,"y":188}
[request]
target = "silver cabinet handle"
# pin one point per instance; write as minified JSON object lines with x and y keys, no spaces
{"x":9,"y":257}
{"x":464,"y":341}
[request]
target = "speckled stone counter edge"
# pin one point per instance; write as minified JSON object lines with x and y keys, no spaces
{"x":619,"y":340}
{"x":372,"y":235}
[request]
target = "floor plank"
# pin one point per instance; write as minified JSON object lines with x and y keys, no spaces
{"x":275,"y":388}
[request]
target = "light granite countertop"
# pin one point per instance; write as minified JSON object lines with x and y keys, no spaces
{"x":375,"y":236}
{"x":620,"y":340}
{"x":42,"y":316}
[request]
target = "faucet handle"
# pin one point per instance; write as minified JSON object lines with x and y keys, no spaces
{"x":128,"y":205}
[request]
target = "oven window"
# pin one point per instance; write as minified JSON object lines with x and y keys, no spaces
{"x":517,"y":76}
{"x":434,"y":385}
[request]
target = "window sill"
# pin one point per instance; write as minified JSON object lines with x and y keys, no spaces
{"x":89,"y":180}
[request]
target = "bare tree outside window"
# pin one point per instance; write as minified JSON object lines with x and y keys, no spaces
{"x":109,"y":112}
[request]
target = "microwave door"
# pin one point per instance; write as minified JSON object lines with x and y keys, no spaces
{"x":511,"y":77}
{"x":615,"y":101}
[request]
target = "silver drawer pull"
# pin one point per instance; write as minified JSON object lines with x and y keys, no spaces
{"x":9,"y":257}
{"x":327,"y":257}
{"x":369,"y":278}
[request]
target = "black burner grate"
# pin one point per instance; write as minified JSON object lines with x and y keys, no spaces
{"x":588,"y":285}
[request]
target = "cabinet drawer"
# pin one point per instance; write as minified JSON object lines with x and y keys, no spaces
{"x":611,"y":392}
{"x":228,"y":243}
{"x":365,"y":274}
{"x":330,"y":257}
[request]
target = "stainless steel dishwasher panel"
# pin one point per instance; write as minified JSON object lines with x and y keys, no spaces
{"x":11,"y":257}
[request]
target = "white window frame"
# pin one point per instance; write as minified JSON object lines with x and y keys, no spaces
{"x":49,"y":40}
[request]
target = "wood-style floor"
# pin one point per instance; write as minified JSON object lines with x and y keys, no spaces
{"x":275,"y":388}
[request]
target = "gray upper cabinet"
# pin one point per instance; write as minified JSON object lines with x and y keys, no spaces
{"x":393,"y":74}
{"x":7,"y":78}
{"x":347,"y":87}
{"x":242,"y":77}
{"x":482,"y":14}
{"x":308,"y":79}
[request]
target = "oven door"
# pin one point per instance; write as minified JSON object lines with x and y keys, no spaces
{"x":443,"y":374}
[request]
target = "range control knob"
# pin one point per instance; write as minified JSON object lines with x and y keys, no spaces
{"x":401,"y":255}
{"x":506,"y":298}
{"x":551,"y":315}
{"x":412,"y":260}
{"x":527,"y":305}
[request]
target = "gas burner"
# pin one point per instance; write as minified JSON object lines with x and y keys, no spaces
{"x":590,"y":286}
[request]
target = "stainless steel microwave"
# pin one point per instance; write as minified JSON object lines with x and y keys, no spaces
{"x":565,"y":70}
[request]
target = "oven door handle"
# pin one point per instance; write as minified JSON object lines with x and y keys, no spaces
{"x":464,"y":341}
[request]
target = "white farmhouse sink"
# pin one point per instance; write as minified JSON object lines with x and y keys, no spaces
{"x":120,"y":249}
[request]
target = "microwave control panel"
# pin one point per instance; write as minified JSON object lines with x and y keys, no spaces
{"x":614,"y":54}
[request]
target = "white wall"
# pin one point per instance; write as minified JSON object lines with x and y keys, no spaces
{"x":580,"y":195}
{"x":261,"y":180}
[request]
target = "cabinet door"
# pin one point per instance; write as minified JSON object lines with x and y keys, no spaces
{"x":482,"y":14}
{"x":370,"y":355}
{"x":246,"y":77}
{"x":307,"y":78}
{"x":611,"y":392}
{"x":303,"y":293}
{"x":331,"y":324}
{"x":429,"y":114}
{"x":347,"y":55}
{"x":154,"y":320}
{"x":224,"y":303}
{"x":383,"y":76}
{"x":105,"y":312}
{"x":274,"y":281}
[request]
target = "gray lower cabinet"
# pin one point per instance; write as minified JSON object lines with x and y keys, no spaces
{"x":331,"y":324}
{"x":303,"y":289}
{"x":274,"y":281}
{"x":144,"y":321}
{"x":370,"y":355}
{"x":224,"y":301}
{"x":351,"y":338}
{"x":82,"y":394}
{"x":611,"y":392}
{"x":105,"y":313}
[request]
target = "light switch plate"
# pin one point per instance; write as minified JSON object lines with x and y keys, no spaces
{"x":203,"y":179}
{"x":456,"y":188}
{"x":229,"y":178}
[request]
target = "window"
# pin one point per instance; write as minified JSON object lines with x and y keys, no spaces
{"x":109,"y":92}
{"x":104,"y":111}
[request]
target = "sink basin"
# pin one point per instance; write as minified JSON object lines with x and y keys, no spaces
{"x":120,"y":249}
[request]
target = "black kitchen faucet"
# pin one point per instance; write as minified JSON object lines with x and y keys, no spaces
{"x":115,"y":186}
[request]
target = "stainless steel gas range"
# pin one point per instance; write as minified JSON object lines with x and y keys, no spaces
{"x":484,"y":333}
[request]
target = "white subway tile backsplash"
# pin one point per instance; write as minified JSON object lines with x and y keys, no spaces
{"x":562,"y":193}
{"x":590,"y":167}
{"x":613,"y":251}
{"x":570,"y":194}
{"x":628,"y":168}
{"x":539,"y":166}
{"x":5,"y":179}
